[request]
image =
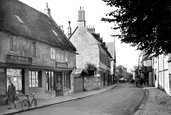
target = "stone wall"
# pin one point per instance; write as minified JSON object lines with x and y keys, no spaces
{"x":91,"y":83}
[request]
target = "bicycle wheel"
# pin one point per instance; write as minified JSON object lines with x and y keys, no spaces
{"x":25,"y":105}
{"x":34,"y":103}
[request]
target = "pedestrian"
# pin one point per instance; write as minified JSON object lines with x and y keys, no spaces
{"x":11,"y":94}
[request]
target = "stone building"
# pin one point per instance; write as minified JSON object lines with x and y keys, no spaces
{"x":91,"y":49}
{"x":35,"y":54}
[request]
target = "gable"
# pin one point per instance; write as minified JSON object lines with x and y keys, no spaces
{"x":81,"y":34}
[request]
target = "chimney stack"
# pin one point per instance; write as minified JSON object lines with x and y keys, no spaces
{"x":47,"y":11}
{"x":69,"y":29}
{"x":81,"y":17}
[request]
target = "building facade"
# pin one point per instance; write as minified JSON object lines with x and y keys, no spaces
{"x":157,"y":71}
{"x":161,"y":70}
{"x":34,"y":53}
{"x":91,"y":49}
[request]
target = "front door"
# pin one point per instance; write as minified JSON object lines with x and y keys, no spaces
{"x":58,"y":84}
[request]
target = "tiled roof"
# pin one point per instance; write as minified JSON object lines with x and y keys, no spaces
{"x":103,"y":44}
{"x":21,"y":19}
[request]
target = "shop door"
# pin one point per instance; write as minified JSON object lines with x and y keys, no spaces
{"x":58,"y":84}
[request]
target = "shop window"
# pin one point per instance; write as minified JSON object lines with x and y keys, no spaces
{"x":52,"y":53}
{"x":66,"y":80}
{"x":13,"y":45}
{"x":35,"y":79}
{"x":50,"y":81}
{"x":15,"y":76}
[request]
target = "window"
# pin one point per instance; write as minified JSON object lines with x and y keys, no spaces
{"x":52,"y":53}
{"x":66,"y":80}
{"x":66,"y":57}
{"x":13,"y":45}
{"x":34,"y":48}
{"x":35,"y":79}
{"x":15,"y":75}
{"x":50,"y":80}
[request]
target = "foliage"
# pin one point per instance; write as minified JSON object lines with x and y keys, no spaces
{"x":145,"y":24}
{"x":90,"y":68}
{"x":119,"y":71}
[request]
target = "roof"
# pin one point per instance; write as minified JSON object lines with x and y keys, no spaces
{"x":103,"y":44}
{"x":23,"y":20}
{"x":97,"y":37}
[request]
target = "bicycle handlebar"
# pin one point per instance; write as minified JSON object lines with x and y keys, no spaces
{"x":32,"y":94}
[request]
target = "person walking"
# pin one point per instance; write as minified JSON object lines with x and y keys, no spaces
{"x":11,"y":94}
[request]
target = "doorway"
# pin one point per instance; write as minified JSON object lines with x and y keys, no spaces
{"x":58,"y":84}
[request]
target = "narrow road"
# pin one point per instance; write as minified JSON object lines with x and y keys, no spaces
{"x":124,"y":99}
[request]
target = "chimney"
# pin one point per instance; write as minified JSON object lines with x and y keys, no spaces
{"x":47,"y":11}
{"x":91,"y":29}
{"x":81,"y":17}
{"x":69,"y":29}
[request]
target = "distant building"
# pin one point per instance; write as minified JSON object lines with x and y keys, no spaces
{"x":91,"y":49}
{"x":34,"y":53}
{"x":145,"y":68}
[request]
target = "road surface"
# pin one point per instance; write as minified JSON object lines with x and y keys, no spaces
{"x":124,"y":99}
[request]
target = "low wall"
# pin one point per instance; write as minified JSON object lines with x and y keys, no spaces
{"x":91,"y":83}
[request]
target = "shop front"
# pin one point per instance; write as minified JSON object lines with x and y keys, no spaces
{"x":58,"y":82}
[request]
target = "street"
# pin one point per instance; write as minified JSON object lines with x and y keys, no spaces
{"x":124,"y":99}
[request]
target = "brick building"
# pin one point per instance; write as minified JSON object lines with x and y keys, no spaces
{"x":91,"y":49}
{"x":34,"y":53}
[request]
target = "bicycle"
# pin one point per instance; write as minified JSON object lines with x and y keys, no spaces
{"x":26,"y":103}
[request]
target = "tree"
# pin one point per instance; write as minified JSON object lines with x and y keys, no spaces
{"x":119,"y":71}
{"x":145,"y":24}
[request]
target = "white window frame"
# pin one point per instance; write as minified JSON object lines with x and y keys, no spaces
{"x":52,"y":53}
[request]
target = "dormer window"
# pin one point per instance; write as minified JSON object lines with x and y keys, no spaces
{"x":19,"y":19}
{"x":54,"y":32}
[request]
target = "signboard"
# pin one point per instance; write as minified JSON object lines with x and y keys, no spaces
{"x":62,"y":64}
{"x":2,"y":82}
{"x":18,"y":59}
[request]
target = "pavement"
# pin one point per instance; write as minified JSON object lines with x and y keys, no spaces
{"x":48,"y":102}
{"x":155,"y":102}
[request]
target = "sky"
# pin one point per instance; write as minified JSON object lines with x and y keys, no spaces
{"x":63,"y":11}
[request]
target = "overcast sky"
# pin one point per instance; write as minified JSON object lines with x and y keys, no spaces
{"x":63,"y":11}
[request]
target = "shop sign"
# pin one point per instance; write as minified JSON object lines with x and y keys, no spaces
{"x":62,"y":64}
{"x":18,"y":59}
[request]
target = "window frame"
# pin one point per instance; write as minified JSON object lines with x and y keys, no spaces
{"x":50,"y":80}
{"x":35,"y":79}
{"x":52,"y":53}
{"x":13,"y":44}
